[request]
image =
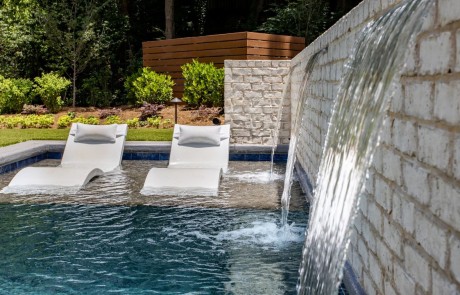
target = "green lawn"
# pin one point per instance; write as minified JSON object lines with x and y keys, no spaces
{"x":12,"y":136}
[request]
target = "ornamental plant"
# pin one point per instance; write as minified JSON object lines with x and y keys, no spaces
{"x":66,"y":120}
{"x":49,"y":87}
{"x":113,"y":119}
{"x":147,"y":86}
{"x":204,"y":84}
{"x":133,"y":123}
{"x":154,"y":121}
{"x":28,"y":121}
{"x":14,"y":93}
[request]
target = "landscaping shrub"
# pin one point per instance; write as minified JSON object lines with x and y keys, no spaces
{"x":14,"y":93}
{"x":204,"y":84}
{"x":29,"y":121}
{"x":167,"y":123}
{"x":150,"y":110}
{"x":90,"y":120}
{"x":207,"y":113}
{"x":114,"y":119}
{"x":38,"y":121}
{"x":133,"y":123}
{"x":66,"y":120}
{"x":12,"y":121}
{"x":49,"y":88}
{"x":29,"y":109}
{"x":147,"y":86}
{"x":109,"y":112}
{"x":154,"y":121}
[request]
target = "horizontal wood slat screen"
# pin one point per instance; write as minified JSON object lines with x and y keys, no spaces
{"x":167,"y":56}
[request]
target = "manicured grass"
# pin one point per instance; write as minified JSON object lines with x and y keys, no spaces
{"x":12,"y":136}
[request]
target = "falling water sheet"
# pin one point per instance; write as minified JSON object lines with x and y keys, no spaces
{"x":350,"y":143}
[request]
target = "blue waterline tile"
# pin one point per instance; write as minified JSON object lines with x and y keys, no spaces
{"x":137,"y":156}
{"x":127,"y":157}
{"x":280,"y":158}
{"x":163,"y":157}
{"x":265,"y":157}
{"x":236,"y":157}
{"x":54,"y":155}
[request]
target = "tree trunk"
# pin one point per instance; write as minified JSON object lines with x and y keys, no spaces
{"x":74,"y":84}
{"x":169,"y":19}
{"x":255,"y":10}
{"x":124,"y":7}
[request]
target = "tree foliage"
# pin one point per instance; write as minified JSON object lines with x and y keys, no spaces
{"x":23,"y":52}
{"x":303,"y":18}
{"x":97,"y":44}
{"x":78,"y":33}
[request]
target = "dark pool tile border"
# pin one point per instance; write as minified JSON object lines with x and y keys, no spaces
{"x":148,"y":156}
{"x":258,"y":157}
{"x":22,"y":163}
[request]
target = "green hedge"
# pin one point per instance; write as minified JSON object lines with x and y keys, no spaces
{"x":204,"y":84}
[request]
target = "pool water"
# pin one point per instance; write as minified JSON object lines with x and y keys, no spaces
{"x":107,"y":238}
{"x":100,"y":249}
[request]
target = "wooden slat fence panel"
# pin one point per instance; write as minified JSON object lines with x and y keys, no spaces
{"x":167,"y":56}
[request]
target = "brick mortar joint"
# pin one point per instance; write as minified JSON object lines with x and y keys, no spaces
{"x":453,"y":130}
{"x":434,"y":171}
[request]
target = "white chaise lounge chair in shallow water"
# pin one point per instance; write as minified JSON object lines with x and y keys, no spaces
{"x":90,"y":151}
{"x":199,"y":156}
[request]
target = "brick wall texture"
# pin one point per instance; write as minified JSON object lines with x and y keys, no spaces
{"x":406,"y":237}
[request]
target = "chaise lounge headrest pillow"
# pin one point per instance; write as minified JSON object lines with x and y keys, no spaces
{"x":205,"y":135}
{"x":95,"y":133}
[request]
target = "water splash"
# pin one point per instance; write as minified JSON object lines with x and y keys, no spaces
{"x":285,"y":198}
{"x":351,"y":139}
{"x":264,"y":233}
{"x":257,"y":176}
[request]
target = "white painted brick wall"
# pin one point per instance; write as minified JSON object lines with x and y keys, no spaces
{"x":447,"y":102}
{"x":435,"y":53}
{"x":448,"y":11}
{"x":419,"y":101}
{"x":407,"y":237}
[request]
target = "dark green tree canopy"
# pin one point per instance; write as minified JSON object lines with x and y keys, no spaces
{"x":98,"y":43}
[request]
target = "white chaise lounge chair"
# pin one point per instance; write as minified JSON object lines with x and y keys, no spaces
{"x":90,"y":151}
{"x":199,"y":156}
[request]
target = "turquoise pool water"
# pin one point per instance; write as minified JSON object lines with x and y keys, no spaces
{"x":101,"y":249}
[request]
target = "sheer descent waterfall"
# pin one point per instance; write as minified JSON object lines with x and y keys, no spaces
{"x":298,"y":117}
{"x":351,"y":140}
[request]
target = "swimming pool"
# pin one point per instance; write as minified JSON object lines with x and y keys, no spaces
{"x":110,"y":239}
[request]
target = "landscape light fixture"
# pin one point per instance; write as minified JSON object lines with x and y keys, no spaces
{"x":175,"y":101}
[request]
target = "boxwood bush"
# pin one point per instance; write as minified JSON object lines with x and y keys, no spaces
{"x":14,"y":93}
{"x":204,"y":84}
{"x":147,"y":86}
{"x":50,"y":87}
